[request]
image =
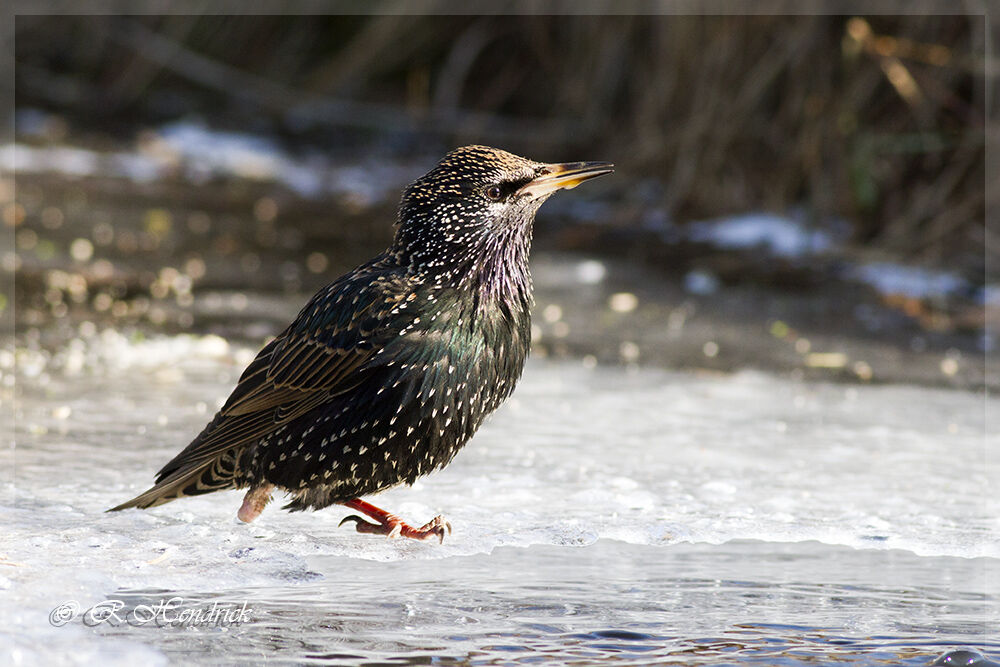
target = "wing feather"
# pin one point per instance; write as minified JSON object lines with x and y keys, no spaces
{"x":319,"y":356}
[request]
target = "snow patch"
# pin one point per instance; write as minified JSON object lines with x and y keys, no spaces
{"x":910,"y":281}
{"x":781,"y":236}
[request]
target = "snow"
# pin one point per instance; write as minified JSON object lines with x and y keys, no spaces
{"x":61,"y":159}
{"x":910,"y":281}
{"x":781,"y":236}
{"x":645,"y":467}
{"x":208,"y":152}
{"x":701,"y":281}
{"x":990,"y":295}
{"x":199,"y":153}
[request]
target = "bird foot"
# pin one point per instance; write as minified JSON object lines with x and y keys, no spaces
{"x":254,"y":502}
{"x":391,"y":525}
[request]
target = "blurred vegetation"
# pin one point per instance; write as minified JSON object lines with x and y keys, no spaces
{"x":878,"y":120}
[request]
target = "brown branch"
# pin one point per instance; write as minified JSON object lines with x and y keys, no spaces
{"x":279,"y":98}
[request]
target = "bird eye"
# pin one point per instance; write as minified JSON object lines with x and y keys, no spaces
{"x":493,"y":192}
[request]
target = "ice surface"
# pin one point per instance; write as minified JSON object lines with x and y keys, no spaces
{"x":644,"y":468}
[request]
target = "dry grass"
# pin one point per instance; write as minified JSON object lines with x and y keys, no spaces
{"x":876,"y":120}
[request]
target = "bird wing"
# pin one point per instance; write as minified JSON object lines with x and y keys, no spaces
{"x":316,"y":358}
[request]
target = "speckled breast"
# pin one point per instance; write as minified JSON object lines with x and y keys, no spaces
{"x":413,"y":408}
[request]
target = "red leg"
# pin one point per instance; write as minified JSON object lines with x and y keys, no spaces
{"x":392,"y":525}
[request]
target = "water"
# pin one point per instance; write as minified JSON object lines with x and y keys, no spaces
{"x":604,"y":515}
{"x":612,"y":602}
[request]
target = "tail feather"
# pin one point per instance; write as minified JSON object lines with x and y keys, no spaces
{"x":214,"y":475}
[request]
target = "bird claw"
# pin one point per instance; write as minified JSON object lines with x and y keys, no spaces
{"x":436,"y":526}
{"x":361,"y":523}
{"x":394,"y":527}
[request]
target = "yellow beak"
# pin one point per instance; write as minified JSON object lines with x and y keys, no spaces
{"x":552,"y":177}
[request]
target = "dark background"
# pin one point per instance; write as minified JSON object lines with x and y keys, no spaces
{"x":878,"y":120}
{"x":872,"y":129}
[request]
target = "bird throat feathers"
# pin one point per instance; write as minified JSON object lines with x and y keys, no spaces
{"x":485,"y":256}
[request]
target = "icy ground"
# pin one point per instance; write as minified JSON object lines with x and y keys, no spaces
{"x":604,"y":515}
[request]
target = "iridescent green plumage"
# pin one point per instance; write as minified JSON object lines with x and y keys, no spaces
{"x":387,"y":372}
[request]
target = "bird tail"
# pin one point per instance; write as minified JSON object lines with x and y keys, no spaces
{"x":215,"y":474}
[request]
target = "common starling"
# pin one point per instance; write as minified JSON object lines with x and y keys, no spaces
{"x":388,"y":371}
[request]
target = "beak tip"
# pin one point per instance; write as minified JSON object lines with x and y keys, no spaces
{"x":566,"y":176}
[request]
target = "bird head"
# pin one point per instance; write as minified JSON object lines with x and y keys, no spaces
{"x":477,"y":205}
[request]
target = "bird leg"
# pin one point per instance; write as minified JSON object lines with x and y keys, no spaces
{"x":392,"y":525}
{"x":254,"y":502}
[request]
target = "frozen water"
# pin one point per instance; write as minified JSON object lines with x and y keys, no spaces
{"x":603,"y":515}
